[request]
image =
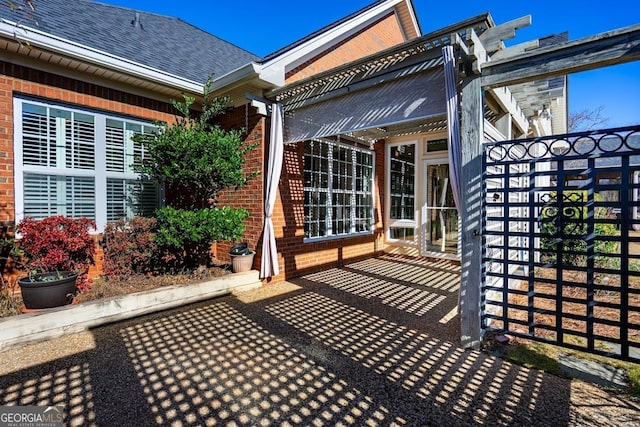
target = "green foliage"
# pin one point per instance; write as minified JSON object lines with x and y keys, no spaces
{"x":193,"y":157}
{"x":535,"y":355}
{"x":186,"y":235}
{"x":546,"y":357}
{"x":634,"y":380}
{"x":575,"y":231}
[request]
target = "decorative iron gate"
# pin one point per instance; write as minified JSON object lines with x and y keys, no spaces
{"x":562,"y":240}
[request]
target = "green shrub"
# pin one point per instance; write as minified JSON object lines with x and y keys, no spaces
{"x":185,"y":236}
{"x":194,"y":158}
{"x":575,"y":231}
{"x":129,"y":247}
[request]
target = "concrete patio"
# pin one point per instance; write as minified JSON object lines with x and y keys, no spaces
{"x":373,"y":342}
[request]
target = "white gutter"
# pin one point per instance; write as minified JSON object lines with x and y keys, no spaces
{"x":39,"y":39}
{"x":247,"y":71}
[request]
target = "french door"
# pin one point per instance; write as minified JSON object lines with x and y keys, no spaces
{"x":439,"y":214}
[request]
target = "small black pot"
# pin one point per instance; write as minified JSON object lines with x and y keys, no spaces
{"x":44,"y":291}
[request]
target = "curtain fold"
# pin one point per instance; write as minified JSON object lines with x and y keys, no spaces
{"x":453,"y":125}
{"x":269,"y":262}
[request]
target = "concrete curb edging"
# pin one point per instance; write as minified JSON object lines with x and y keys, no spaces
{"x":55,"y":322}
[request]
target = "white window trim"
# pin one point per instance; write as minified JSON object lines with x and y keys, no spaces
{"x":401,"y":223}
{"x":100,"y":174}
{"x":329,"y":218}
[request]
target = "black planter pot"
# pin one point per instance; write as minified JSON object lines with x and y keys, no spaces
{"x":45,"y":291}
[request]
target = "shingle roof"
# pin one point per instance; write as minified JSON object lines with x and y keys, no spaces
{"x":161,"y":42}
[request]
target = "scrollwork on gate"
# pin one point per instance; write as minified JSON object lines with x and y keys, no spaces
{"x":562,"y":225}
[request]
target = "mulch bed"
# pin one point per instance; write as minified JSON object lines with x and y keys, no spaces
{"x":106,"y":288}
{"x":11,"y":301}
{"x":576,"y":308}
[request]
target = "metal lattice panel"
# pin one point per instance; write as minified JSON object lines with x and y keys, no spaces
{"x":562,"y":240}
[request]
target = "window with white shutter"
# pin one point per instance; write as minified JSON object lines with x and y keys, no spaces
{"x":127,"y":198}
{"x":79,"y":164}
{"x":338,"y":189}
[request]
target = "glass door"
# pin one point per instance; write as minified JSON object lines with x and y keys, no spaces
{"x":440,"y":216}
{"x":401,"y":189}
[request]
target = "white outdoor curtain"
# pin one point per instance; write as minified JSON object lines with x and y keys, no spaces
{"x":269,"y":264}
{"x":453,"y":128}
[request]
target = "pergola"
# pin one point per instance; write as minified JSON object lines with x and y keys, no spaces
{"x":401,"y":91}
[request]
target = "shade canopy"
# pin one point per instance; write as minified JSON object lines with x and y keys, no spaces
{"x":401,"y":100}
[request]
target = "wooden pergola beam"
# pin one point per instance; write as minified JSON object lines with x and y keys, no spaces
{"x":604,"y":49}
{"x":493,"y":38}
{"x":515,"y":50}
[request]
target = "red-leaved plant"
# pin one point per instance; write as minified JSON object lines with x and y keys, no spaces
{"x":129,"y":247}
{"x":58,"y":243}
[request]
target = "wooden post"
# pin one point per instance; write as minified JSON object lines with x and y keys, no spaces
{"x":472,"y":130}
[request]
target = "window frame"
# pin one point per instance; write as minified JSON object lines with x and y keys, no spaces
{"x":410,"y":224}
{"x":333,"y":145}
{"x":99,"y":173}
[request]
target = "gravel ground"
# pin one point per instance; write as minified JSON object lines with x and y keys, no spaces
{"x":343,"y":346}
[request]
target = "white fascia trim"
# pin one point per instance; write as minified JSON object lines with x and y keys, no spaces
{"x":77,"y":51}
{"x":274,"y":70}
{"x":247,"y":71}
{"x":414,"y":17}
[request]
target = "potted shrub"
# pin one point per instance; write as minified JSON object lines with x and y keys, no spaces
{"x":57,"y":252}
{"x":241,"y":257}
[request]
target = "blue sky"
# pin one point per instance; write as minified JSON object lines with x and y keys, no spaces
{"x":267,"y":25}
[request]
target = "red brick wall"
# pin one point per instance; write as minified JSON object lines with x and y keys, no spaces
{"x":296,"y":257}
{"x":378,"y":36}
{"x":251,"y":196}
{"x":19,"y":80}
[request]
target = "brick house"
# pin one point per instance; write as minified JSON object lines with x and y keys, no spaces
{"x":74,"y":88}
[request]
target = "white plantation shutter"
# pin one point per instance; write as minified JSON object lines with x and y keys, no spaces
{"x":80,"y":197}
{"x":122,"y":151}
{"x":46,"y":195}
{"x":148,"y":197}
{"x":64,"y":156}
{"x":80,"y":142}
{"x":38,"y":136}
{"x":135,"y":150}
{"x":58,"y":138}
{"x":40,"y":196}
{"x":127,"y":198}
{"x":114,"y":145}
{"x":116,"y":206}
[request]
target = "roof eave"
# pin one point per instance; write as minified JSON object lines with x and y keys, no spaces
{"x":412,"y":17}
{"x":248,"y":72}
{"x":34,"y":38}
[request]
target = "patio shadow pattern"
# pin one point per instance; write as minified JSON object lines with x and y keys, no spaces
{"x":368,"y":343}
